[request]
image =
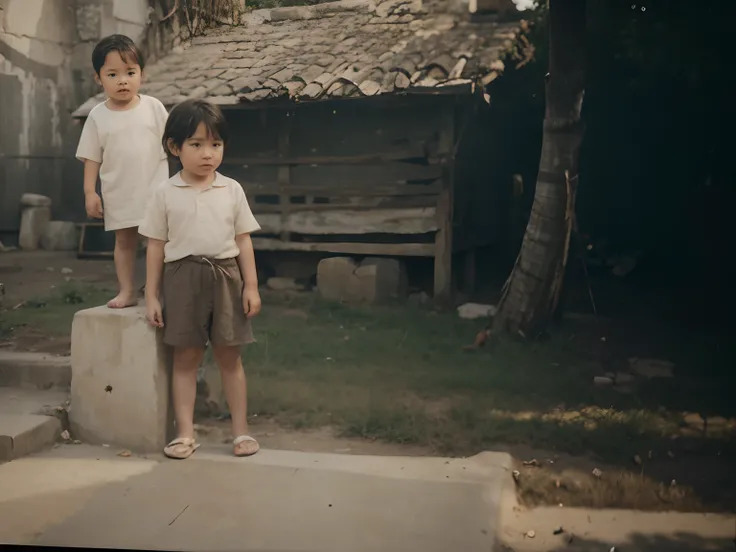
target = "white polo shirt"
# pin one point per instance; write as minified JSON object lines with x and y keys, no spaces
{"x":202,"y":222}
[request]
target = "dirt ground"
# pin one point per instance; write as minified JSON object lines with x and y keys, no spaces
{"x":322,"y":379}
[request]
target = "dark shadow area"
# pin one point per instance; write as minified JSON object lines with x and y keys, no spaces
{"x":681,"y":542}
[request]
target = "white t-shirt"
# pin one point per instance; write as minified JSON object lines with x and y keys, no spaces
{"x":128,"y":145}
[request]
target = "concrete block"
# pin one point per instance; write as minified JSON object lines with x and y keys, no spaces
{"x":35,"y":200}
{"x":120,"y":380}
{"x":24,"y":434}
{"x":33,"y":223}
{"x":333,"y":275}
{"x":377,"y":280}
{"x":60,"y":235}
{"x":34,"y":370}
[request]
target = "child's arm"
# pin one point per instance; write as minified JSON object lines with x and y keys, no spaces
{"x":245,"y":223}
{"x":92,"y":201}
{"x":89,"y":151}
{"x":247,"y":264}
{"x":154,"y":269}
{"x":154,"y":226}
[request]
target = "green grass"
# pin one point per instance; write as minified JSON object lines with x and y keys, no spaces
{"x":400,"y":374}
{"x":52,"y":314}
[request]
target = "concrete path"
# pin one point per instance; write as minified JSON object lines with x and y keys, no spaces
{"x":276,"y":500}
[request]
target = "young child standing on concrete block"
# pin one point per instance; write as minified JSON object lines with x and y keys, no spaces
{"x":121,"y":144}
{"x":198,"y":226}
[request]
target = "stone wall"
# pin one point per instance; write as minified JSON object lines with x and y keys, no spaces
{"x":46,"y":73}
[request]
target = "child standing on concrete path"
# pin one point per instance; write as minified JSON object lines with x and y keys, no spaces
{"x":121,"y":143}
{"x":198,"y":226}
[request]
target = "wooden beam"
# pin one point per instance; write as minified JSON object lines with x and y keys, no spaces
{"x":358,"y":205}
{"x":389,"y":249}
{"x":443,"y":217}
{"x":335,"y":190}
{"x":394,"y":155}
{"x":386,"y":173}
{"x":349,"y":221}
{"x":284,"y":171}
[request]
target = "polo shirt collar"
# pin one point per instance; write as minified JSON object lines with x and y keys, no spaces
{"x":178,"y":181}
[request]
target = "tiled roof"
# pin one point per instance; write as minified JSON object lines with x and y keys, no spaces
{"x":336,"y":49}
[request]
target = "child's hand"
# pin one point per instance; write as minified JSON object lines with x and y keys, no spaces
{"x":154,"y":313}
{"x":93,"y":205}
{"x":251,"y":302}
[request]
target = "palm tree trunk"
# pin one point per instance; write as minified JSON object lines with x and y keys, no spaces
{"x":531,"y":294}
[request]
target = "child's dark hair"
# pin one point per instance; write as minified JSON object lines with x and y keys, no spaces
{"x":120,"y":44}
{"x":187,"y":116}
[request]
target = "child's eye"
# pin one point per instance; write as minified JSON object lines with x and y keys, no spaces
{"x":217,"y":145}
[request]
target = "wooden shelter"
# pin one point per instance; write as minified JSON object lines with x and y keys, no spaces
{"x":357,"y":127}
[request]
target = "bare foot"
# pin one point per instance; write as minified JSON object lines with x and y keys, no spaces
{"x":122,"y":301}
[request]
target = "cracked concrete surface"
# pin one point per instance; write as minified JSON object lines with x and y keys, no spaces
{"x":276,"y":500}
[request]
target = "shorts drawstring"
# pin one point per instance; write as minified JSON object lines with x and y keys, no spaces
{"x":215,"y":267}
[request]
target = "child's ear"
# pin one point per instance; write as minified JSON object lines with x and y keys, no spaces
{"x":143,"y":75}
{"x":171,"y":146}
{"x":97,"y":80}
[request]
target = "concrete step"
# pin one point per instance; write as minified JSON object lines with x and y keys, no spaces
{"x":35,"y":370}
{"x":30,"y":420}
{"x":24,"y":434}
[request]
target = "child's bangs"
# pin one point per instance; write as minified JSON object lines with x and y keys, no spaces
{"x":213,"y":124}
{"x":129,"y":56}
{"x":213,"y":129}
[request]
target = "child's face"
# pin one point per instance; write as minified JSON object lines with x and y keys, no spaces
{"x":201,"y":153}
{"x":120,"y":80}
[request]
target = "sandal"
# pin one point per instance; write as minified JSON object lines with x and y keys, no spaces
{"x":181,"y":448}
{"x":245,"y":439}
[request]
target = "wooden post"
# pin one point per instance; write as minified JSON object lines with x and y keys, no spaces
{"x":443,"y":237}
{"x":284,"y":172}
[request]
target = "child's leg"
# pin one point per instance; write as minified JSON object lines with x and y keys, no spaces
{"x":126,"y":244}
{"x":184,"y":388}
{"x":233,"y":381}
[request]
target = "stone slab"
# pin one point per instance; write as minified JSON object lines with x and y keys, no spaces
{"x":53,"y":492}
{"x":33,"y":224}
{"x":15,"y":400}
{"x":283,"y":500}
{"x":35,"y":370}
{"x":333,"y":275}
{"x":23,"y":434}
{"x":35,"y":200}
{"x":377,"y":280}
{"x":120,"y":380}
{"x":60,"y":235}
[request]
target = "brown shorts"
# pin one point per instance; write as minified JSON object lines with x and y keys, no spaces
{"x":203,"y":301}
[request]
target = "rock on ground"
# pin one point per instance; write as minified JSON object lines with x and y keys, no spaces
{"x":377,"y":280}
{"x":35,"y":200}
{"x":34,"y":222}
{"x":333,"y":275}
{"x":60,"y":236}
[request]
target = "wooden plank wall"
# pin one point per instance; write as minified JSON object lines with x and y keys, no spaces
{"x":330,"y":171}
